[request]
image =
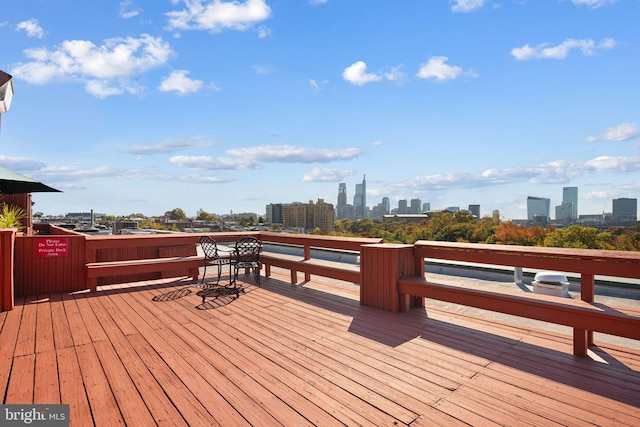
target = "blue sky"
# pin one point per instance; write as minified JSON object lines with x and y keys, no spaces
{"x":145,"y":106}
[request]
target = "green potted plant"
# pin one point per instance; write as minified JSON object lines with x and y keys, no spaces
{"x":11,"y":217}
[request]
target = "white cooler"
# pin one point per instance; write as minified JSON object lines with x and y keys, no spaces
{"x":551,"y":283}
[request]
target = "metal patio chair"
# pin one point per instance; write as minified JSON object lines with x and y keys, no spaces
{"x":212,"y":256}
{"x":246,"y":254}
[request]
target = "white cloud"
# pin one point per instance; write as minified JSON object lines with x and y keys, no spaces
{"x":102,"y":89}
{"x":327,"y":175}
{"x":263,"y":32}
{"x":555,"y":172}
{"x":21,"y":164}
{"x":395,"y":74}
{"x":466,"y":5}
{"x":356,"y":74}
{"x":216,"y":15}
{"x":437,"y":69}
{"x":613,"y":164}
{"x":291,"y":154}
{"x":105,"y":69}
{"x":593,"y":4}
{"x":251,"y":157}
{"x":212,"y":163}
{"x":179,"y":82}
{"x":317,"y":2}
{"x":128,"y":9}
{"x":545,"y":51}
{"x":170,"y":146}
{"x":623,"y":132}
{"x":31,"y":27}
{"x":73,"y":173}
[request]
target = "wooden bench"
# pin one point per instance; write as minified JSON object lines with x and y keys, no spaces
{"x":308,"y":265}
{"x":295,"y":264}
{"x":582,"y":316}
{"x":168,"y":265}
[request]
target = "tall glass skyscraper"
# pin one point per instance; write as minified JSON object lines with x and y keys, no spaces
{"x":360,"y":199}
{"x":538,"y":210}
{"x":570,"y":196}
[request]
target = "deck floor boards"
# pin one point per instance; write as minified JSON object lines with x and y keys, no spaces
{"x":296,"y":355}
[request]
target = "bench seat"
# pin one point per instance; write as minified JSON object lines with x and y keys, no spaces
{"x":332,"y":269}
{"x":96,"y":270}
{"x":578,"y":314}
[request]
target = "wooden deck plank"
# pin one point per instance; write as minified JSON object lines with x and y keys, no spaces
{"x":44,"y":325}
{"x":26,"y":343}
{"x":189,"y":407}
{"x":61,"y":332}
{"x":260,"y":403}
{"x":8,"y":339}
{"x":163,"y":411}
{"x":91,"y":323}
{"x":72,"y":391}
{"x":96,"y":384}
{"x":46,"y":387}
{"x":20,"y":387}
{"x":79,"y":332}
{"x":131,"y":405}
{"x":221,"y":410}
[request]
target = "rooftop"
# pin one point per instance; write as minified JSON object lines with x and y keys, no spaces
{"x":151,"y":353}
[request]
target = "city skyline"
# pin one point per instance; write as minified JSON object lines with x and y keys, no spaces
{"x":229,"y":106}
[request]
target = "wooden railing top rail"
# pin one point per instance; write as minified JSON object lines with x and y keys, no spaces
{"x":329,"y":242}
{"x":584,"y":261}
{"x":148,"y":240}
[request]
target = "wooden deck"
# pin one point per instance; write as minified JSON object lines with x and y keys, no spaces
{"x":299,"y":355}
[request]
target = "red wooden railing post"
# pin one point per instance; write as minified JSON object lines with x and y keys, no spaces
{"x":587,"y":293}
{"x":381,"y":265}
{"x":7,"y":254}
{"x":307,"y":256}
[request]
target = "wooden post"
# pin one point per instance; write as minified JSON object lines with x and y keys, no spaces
{"x":587,"y":293}
{"x":7,"y":254}
{"x":381,"y":265}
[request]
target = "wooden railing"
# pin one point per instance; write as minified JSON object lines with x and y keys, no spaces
{"x":309,"y":265}
{"x":390,"y":276}
{"x":584,"y":316}
{"x":132,"y":258}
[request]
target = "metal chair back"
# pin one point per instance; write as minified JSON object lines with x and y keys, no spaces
{"x":209,"y":247}
{"x":247,"y":252}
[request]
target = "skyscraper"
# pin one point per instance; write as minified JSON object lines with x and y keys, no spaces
{"x":625,"y":210}
{"x":342,"y":194}
{"x":570,"y":196}
{"x":360,"y":199}
{"x":416,"y":206}
{"x":538,"y":210}
{"x":402,"y":206}
{"x":475,"y":210}
{"x":386,"y":206}
{"x":342,"y":209}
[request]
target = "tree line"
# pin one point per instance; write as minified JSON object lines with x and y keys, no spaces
{"x":464,"y":227}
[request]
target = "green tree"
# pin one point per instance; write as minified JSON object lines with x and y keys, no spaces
{"x":574,"y":236}
{"x":208,"y":217}
{"x":176,"y":214}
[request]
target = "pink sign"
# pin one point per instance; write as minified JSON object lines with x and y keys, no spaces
{"x":52,"y":246}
